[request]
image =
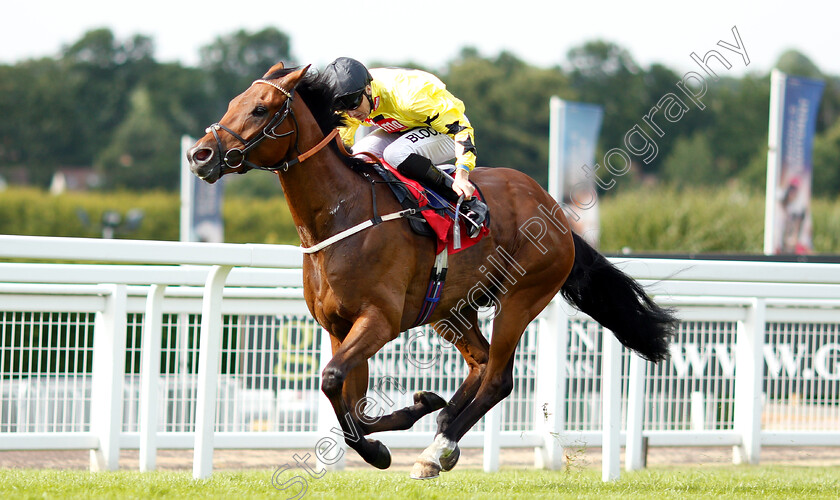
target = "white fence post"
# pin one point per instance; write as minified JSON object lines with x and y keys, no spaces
{"x":150,"y":373}
{"x":749,"y":374}
{"x":611,"y":405}
{"x":188,"y":180}
{"x":634,"y":448}
{"x":550,"y":414}
{"x":492,"y":428}
{"x":208,"y":371}
{"x":698,"y":411}
{"x":106,"y":398}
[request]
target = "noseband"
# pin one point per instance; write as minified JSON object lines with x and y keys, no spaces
{"x":235,"y":158}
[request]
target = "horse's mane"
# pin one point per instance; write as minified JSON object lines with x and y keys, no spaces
{"x":318,"y":94}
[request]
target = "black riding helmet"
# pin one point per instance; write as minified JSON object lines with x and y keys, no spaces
{"x":349,"y":78}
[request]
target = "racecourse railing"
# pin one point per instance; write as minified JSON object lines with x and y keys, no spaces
{"x":107,"y":357}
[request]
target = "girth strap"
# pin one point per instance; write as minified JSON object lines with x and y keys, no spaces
{"x":433,"y":293}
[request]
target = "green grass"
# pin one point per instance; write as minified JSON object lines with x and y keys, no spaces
{"x":770,"y":482}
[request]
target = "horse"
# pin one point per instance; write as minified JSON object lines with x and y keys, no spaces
{"x":364,"y":289}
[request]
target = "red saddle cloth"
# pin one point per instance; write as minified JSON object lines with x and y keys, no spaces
{"x":440,"y":220}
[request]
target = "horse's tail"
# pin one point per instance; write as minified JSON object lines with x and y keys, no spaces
{"x":619,"y":303}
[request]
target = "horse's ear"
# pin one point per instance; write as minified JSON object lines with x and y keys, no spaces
{"x":276,"y":67}
{"x":295,"y":76}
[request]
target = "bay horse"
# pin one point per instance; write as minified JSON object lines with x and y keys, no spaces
{"x":367,"y":288}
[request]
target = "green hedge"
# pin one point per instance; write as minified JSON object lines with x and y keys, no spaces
{"x":259,"y":220}
{"x":28,"y":211}
{"x":658,"y":219}
{"x":701,"y":220}
{"x":690,"y":221}
{"x":34,"y":212}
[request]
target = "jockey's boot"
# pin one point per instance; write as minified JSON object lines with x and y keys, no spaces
{"x":421,"y":169}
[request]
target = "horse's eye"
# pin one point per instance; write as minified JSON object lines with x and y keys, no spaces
{"x":260,"y":110}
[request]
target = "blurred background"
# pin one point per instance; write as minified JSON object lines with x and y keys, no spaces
{"x":94,"y":100}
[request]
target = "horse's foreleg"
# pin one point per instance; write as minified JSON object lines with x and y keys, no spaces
{"x":472,"y":345}
{"x":495,"y":385}
{"x":443,"y":453}
{"x":369,"y":333}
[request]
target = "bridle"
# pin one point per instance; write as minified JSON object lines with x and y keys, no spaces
{"x":235,"y":160}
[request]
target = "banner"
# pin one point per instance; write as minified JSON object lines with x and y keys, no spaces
{"x":201,"y":204}
{"x":574,"y":128}
{"x":794,"y":103}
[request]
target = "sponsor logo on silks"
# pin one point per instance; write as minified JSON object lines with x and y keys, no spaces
{"x":389,"y":125}
{"x":420,"y":134}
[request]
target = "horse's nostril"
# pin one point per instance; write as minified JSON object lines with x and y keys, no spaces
{"x":202,"y":155}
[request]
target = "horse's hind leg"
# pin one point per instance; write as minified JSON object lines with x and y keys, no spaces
{"x":355,"y":390}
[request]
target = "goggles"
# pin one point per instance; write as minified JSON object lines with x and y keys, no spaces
{"x":350,"y":101}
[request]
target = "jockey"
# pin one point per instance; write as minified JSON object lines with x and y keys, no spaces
{"x":419,"y":125}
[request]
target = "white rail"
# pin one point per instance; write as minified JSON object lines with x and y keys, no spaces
{"x":780,"y":321}
{"x":109,"y":350}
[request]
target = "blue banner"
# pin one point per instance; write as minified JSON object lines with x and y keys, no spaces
{"x":207,"y":223}
{"x":582,"y":125}
{"x":576,"y":131}
{"x":800,"y":104}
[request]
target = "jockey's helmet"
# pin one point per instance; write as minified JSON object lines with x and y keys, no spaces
{"x":349,"y":78}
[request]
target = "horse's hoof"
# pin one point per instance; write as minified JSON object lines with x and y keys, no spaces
{"x":430,"y":400}
{"x":383,"y":456}
{"x":448,"y":462}
{"x":425,"y":470}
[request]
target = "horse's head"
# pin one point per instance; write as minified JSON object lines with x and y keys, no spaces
{"x":254,"y":132}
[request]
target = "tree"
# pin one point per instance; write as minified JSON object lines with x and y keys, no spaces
{"x":37,"y":131}
{"x":97,"y":48}
{"x":143,"y":153}
{"x":826,"y":163}
{"x":659,"y":81}
{"x":99,"y":73}
{"x":691,"y":163}
{"x":604,"y":73}
{"x":738,"y":112}
{"x":796,"y":63}
{"x":601,"y":61}
{"x":507,"y":103}
{"x":234,"y":61}
{"x":183,"y":97}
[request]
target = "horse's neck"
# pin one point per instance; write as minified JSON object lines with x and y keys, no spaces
{"x":322,"y":192}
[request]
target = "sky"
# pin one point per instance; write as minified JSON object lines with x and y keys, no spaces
{"x":433,"y":32}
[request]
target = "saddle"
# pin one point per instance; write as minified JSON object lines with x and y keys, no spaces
{"x":438,"y":215}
